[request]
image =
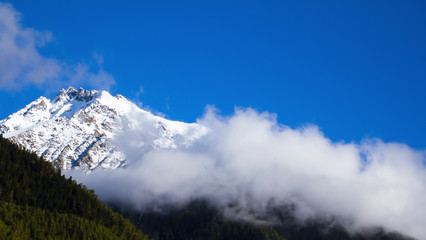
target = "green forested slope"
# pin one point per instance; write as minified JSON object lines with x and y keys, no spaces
{"x":34,"y":194}
{"x":24,"y":222}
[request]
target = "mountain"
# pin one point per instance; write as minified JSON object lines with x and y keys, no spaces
{"x":79,"y":128}
{"x":85,"y":129}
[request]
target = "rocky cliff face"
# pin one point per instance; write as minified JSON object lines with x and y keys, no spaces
{"x":80,"y":128}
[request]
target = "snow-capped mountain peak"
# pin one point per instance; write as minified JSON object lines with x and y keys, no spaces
{"x":72,"y":93}
{"x":81,"y":127}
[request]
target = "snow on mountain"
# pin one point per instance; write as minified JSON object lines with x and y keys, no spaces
{"x":78,"y":128}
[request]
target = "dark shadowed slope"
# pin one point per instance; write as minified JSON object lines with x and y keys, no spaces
{"x":201,"y":220}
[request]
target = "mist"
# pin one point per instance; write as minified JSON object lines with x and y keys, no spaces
{"x":250,"y":160}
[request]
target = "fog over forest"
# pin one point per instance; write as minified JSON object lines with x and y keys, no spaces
{"x":251,"y":161}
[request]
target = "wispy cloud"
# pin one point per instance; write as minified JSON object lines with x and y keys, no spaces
{"x":21,"y":63}
{"x":250,"y":160}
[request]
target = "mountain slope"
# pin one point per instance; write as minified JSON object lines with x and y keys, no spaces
{"x":80,"y":127}
{"x":36,"y":202}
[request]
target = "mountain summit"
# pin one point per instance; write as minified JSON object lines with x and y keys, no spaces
{"x":81,"y":128}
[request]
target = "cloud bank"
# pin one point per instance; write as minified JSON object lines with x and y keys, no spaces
{"x":250,"y":160}
{"x":21,"y":63}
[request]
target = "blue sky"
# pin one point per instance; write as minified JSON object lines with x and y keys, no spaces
{"x":355,"y":69}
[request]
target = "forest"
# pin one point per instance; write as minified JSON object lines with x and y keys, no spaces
{"x":37,"y":202}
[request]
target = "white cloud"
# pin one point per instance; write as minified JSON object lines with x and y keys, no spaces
{"x":21,"y":64}
{"x":252,"y":160}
